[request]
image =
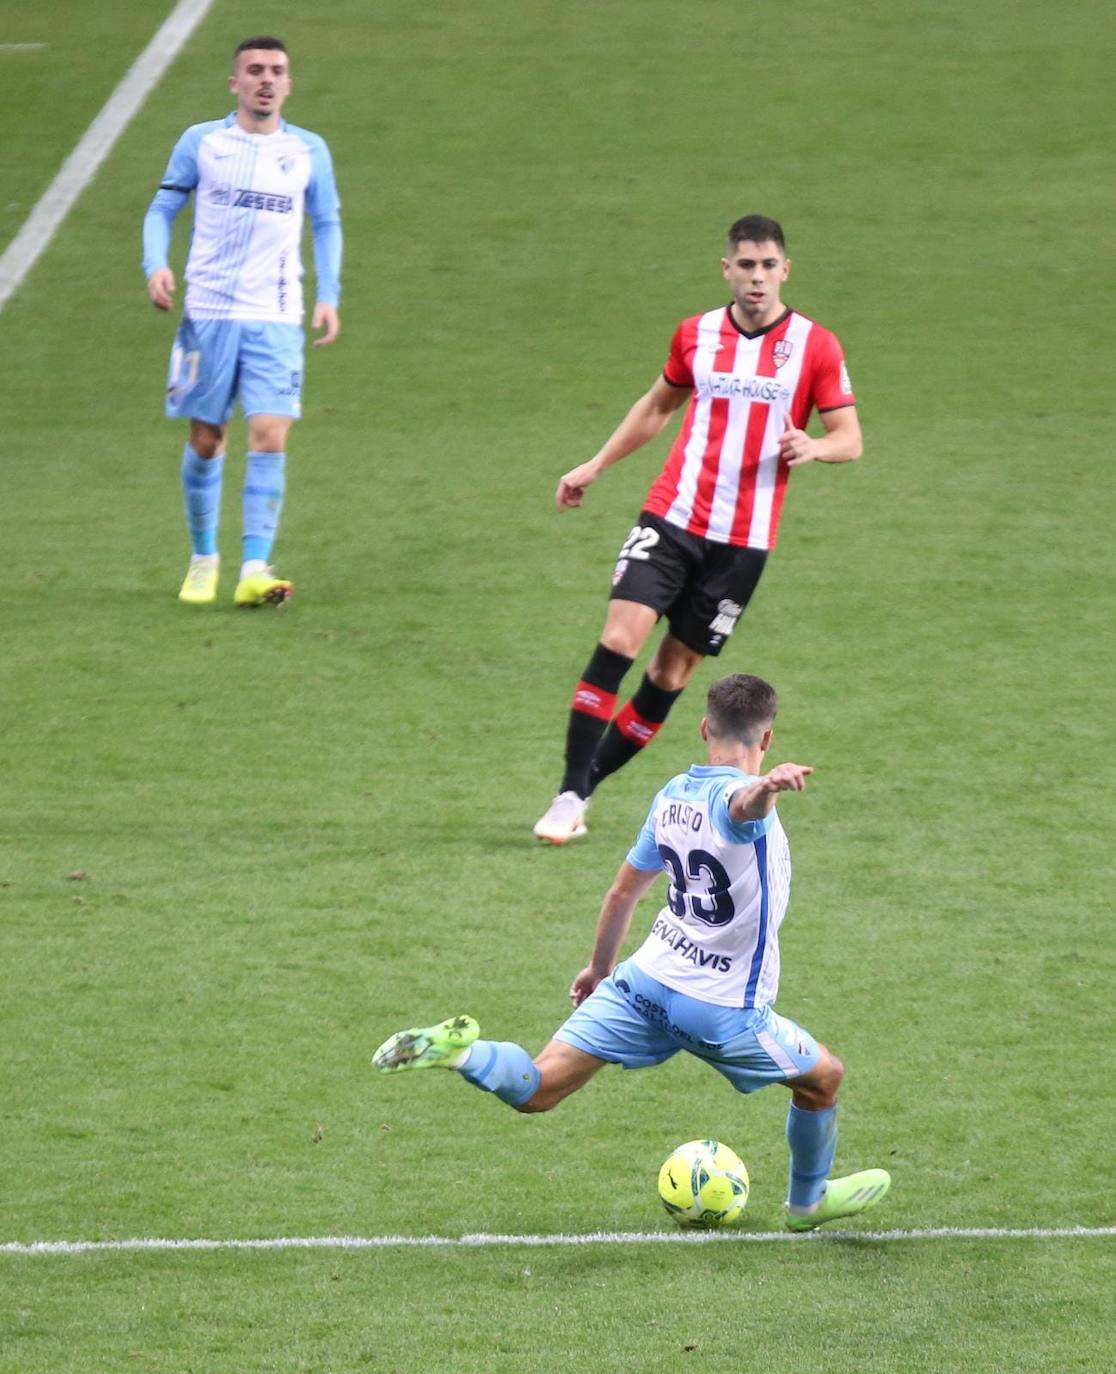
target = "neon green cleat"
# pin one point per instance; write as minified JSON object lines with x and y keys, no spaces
{"x":200,"y":586}
{"x":434,"y":1047}
{"x":844,"y":1197}
{"x":262,"y":589}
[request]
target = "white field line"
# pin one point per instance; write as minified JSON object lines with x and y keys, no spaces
{"x":81,"y":1247}
{"x":95,"y":145}
{"x":22,"y":47}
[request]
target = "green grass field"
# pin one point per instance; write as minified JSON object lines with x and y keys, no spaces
{"x":299,"y":831}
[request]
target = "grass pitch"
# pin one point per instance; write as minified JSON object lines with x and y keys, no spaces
{"x":239,"y":850}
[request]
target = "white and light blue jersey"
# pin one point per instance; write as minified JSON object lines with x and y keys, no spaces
{"x":717,"y":938}
{"x":251,"y":191}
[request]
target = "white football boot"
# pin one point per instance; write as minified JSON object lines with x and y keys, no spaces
{"x":564,"y":819}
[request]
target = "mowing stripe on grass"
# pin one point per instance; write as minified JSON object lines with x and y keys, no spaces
{"x":81,"y":1247}
{"x":96,"y":143}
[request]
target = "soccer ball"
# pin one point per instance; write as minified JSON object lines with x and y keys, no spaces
{"x":704,"y":1183}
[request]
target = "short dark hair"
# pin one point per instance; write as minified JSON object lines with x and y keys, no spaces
{"x":756,"y":229}
{"x":262,"y":41}
{"x":740,"y":707}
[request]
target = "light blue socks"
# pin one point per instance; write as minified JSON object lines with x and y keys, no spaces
{"x":503,"y":1068}
{"x":201,"y":488}
{"x":264,"y":485}
{"x":812,"y":1137}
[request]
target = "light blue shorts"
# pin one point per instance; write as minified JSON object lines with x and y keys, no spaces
{"x":215,"y":361}
{"x":634,"y":1020}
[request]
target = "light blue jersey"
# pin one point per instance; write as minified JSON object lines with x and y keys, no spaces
{"x":717,"y":938}
{"x":251,"y":191}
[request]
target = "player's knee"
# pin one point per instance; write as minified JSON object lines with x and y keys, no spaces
{"x":626,"y":627}
{"x":207,"y":441}
{"x":622,"y":640}
{"x":672,"y":671}
{"x":827,"y":1076}
{"x":268,"y":435}
{"x":671,"y":677}
{"x":818,"y":1089}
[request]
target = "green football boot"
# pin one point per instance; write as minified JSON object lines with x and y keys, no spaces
{"x":262,"y":589}
{"x":845,"y":1197}
{"x":433,"y":1047}
{"x":200,"y":586}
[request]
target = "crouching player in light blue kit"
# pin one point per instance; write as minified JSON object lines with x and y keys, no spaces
{"x":705,"y":978}
{"x":253,"y":175}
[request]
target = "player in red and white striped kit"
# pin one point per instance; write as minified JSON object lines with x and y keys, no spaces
{"x":752,"y":372}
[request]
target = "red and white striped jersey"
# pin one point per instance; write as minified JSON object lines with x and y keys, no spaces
{"x":723,"y":479}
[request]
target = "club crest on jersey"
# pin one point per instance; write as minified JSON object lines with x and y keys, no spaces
{"x":286,"y":164}
{"x":782,"y":351}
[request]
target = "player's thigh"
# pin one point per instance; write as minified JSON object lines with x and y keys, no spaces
{"x":203,"y":373}
{"x":271,"y":357}
{"x":751,"y":1048}
{"x":653,"y":565}
{"x":706,"y":612}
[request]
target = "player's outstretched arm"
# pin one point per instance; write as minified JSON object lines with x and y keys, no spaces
{"x":613,"y":924}
{"x":755,"y":802}
{"x":641,"y":424}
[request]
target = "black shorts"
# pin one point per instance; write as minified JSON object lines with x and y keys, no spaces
{"x":700,"y":586}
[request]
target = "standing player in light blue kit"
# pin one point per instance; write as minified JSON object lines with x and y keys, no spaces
{"x":705,"y":978}
{"x":241,"y":334}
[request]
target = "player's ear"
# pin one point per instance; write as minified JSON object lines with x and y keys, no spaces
{"x":725,"y":264}
{"x":704,"y":728}
{"x":786,"y":268}
{"x":765,"y":738}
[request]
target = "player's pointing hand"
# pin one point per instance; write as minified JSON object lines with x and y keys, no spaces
{"x":795,"y":445}
{"x":161,"y":288}
{"x":787,"y":777}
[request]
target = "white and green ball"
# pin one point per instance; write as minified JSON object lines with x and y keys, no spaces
{"x":704,"y":1183}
